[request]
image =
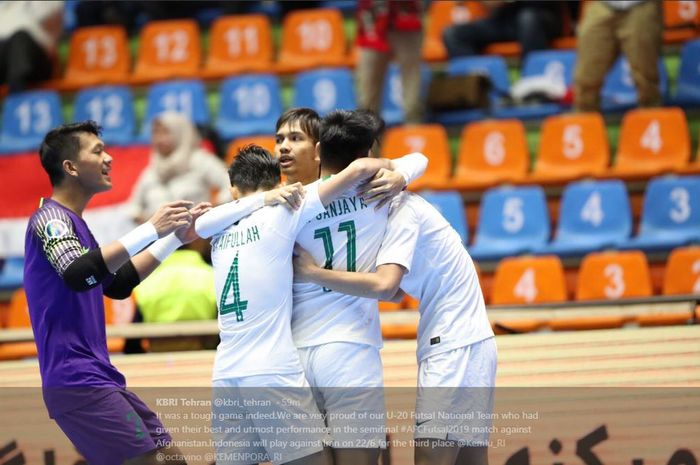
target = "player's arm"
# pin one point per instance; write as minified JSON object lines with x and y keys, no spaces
{"x":388,"y":183}
{"x":383,"y":284}
{"x":348,"y":180}
{"x":223,"y":216}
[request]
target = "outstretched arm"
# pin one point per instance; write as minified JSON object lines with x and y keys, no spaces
{"x":350,"y":178}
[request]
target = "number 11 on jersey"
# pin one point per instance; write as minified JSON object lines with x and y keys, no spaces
{"x":325,"y":235}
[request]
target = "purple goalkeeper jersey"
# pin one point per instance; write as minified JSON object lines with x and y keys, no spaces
{"x":69,"y":326}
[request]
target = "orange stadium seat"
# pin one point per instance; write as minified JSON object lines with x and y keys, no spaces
{"x":693,"y":167}
{"x":441,"y":15}
{"x":529,"y":280}
{"x":266,"y":142}
{"x":429,"y":139}
{"x":614,"y":275}
{"x":239,"y":44}
{"x":571,"y":147}
{"x":491,"y":152}
{"x":98,"y":55}
{"x":681,"y":20}
{"x":311,"y":39}
{"x":682,"y":275}
{"x":652,"y":141}
{"x":17,"y":318}
{"x":167,"y":50}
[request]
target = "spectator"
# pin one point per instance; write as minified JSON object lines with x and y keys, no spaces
{"x":179,"y":168}
{"x":533,"y":24}
{"x":387,"y":28}
{"x":608,"y":27}
{"x":29,"y":34}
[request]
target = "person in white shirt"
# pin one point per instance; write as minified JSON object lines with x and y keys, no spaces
{"x":338,"y":335}
{"x":422,"y":255}
{"x":263,"y":403}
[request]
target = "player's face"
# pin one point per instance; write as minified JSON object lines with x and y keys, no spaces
{"x":296,"y":152}
{"x":93,"y":164}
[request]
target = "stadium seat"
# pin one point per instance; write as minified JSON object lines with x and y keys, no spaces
{"x":392,"y":98}
{"x":11,"y":273}
{"x":98,"y":55}
{"x":451,"y":206}
{"x":27,"y":117}
{"x":188,"y":97}
{"x":429,"y":139}
{"x":491,"y":152}
{"x":688,"y":84}
{"x":266,"y":142}
{"x":248,"y":105}
{"x":652,"y":141}
{"x":311,"y":39}
{"x":18,"y":315}
{"x":492,"y":66}
{"x":512,"y":220}
{"x":613,"y":275}
{"x":325,"y":90}
{"x":670,"y":214}
{"x":112,"y":108}
{"x":572,"y":146}
{"x":529,"y":280}
{"x":557,"y":66}
{"x":593,"y":215}
{"x":682,"y":275}
{"x":441,"y":15}
{"x":168,"y":50}
{"x":681,"y":19}
{"x":239,"y":44}
{"x":619,"y":92}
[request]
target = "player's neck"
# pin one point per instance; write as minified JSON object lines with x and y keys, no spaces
{"x":71,"y":198}
{"x":328,"y":172}
{"x":302,"y":179}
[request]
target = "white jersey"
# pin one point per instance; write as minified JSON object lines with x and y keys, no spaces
{"x":440,"y":273}
{"x":253,"y":279}
{"x":346,"y":237}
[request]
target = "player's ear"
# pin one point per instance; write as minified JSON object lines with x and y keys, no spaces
{"x":317,"y":152}
{"x":69,"y":168}
{"x":235,"y":193}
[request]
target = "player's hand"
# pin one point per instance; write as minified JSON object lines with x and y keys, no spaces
{"x":384,"y":186}
{"x":290,"y":196}
{"x":304,"y":264}
{"x":172,"y":216}
{"x":187,"y":234}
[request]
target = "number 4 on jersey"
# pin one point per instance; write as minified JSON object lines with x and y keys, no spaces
{"x":232,"y":286}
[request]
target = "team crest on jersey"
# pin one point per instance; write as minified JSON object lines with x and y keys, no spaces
{"x":55,"y":229}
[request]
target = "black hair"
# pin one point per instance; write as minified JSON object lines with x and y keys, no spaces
{"x":348,"y":135}
{"x":63,"y":143}
{"x":254,"y":168}
{"x":309,"y":121}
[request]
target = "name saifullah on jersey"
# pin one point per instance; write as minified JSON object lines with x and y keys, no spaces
{"x":236,"y":239}
{"x":342,"y":206}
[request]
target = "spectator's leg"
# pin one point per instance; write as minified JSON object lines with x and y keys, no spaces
{"x":468,"y":39}
{"x":597,"y":51}
{"x":536,"y":27}
{"x":371,"y":69}
{"x":30,"y":63}
{"x":640,"y":35}
{"x":404,"y":45}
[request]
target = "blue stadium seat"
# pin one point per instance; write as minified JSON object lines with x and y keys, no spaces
{"x":392,"y":99}
{"x":249,"y":105}
{"x":512,"y":220}
{"x":185,"y":96}
{"x":451,"y":206}
{"x":670,"y":214}
{"x":11,"y":273}
{"x":619,"y":92}
{"x":348,"y":7}
{"x":688,"y":88}
{"x":556,"y":65}
{"x":593,"y":215}
{"x":112,"y":108}
{"x":26,"y":118}
{"x":325,"y":90}
{"x":492,"y":66}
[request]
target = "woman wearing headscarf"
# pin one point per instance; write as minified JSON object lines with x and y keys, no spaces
{"x":180,"y":169}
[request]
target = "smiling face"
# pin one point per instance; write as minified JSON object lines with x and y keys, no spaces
{"x":93,"y":164}
{"x":297,"y":155}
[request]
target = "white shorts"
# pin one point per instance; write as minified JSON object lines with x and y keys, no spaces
{"x":348,"y":383}
{"x":455,"y":394}
{"x":266,"y":418}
